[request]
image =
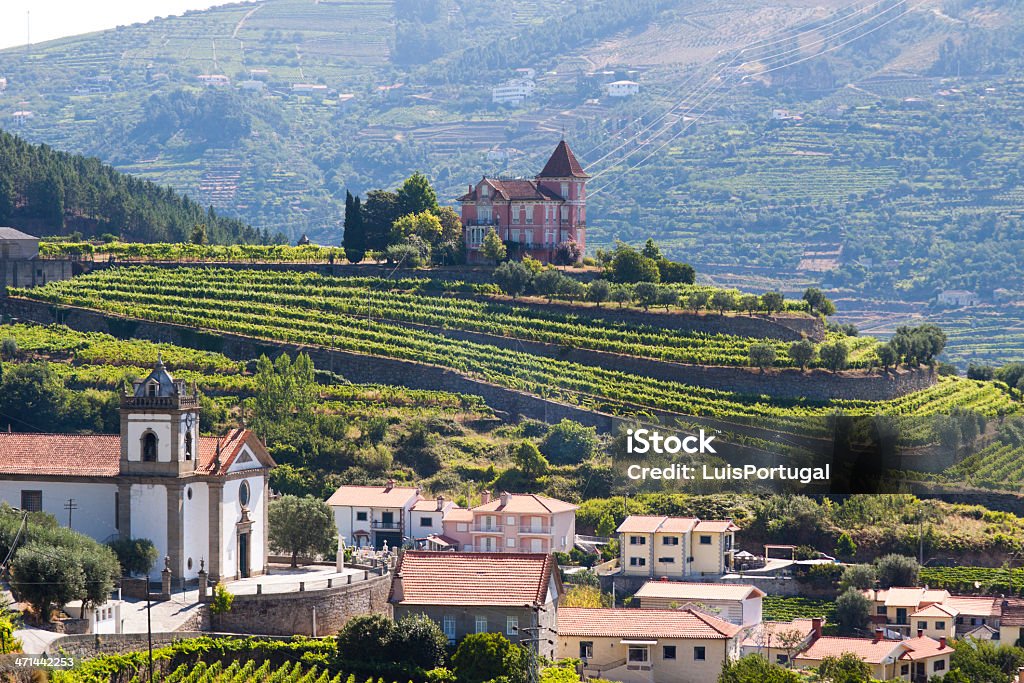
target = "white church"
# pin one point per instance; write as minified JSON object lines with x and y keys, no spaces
{"x":199,"y":499}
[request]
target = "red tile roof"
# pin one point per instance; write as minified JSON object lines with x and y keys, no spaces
{"x":768,"y":632}
{"x":1012,"y":612}
{"x":562,"y":164}
{"x":642,"y":623}
{"x":98,"y":455}
{"x":867,"y":649}
{"x":373,"y":496}
{"x":515,"y":189}
{"x":476,"y":579}
{"x":925,"y":647}
{"x":525,"y":503}
{"x":650,"y":524}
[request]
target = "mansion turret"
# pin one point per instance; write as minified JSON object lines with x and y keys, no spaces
{"x":531,"y":216}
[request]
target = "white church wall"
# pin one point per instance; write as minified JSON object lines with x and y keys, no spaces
{"x":149,"y":519}
{"x":231,"y":512}
{"x":95,"y":515}
{"x":160,"y":425}
{"x":196,"y":528}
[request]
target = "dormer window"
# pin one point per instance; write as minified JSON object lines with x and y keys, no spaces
{"x":485,"y":190}
{"x":149,"y":447}
{"x":151,"y":389}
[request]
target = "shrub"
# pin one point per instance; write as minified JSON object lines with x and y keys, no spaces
{"x":135,"y":555}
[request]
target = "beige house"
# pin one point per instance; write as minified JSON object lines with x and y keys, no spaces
{"x":917,"y":660}
{"x":780,"y":641}
{"x":935,"y":621}
{"x":1011,"y":621}
{"x":893,"y":607}
{"x":647,"y":645}
{"x":936,"y":612}
{"x":738,"y":604}
{"x":676,"y":547}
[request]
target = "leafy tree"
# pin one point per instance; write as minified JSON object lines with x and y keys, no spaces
{"x":802,"y":353}
{"x":135,"y":555}
{"x":772,"y":302}
{"x":567,"y":254}
{"x":985,"y":661}
{"x":46,"y":577}
{"x":606,"y":525}
{"x":697,"y":300}
{"x":853,"y":611}
{"x":845,"y":546}
{"x":492,"y":248}
{"x":548,"y":283}
{"x":682,"y":273}
{"x":198,"y":235}
{"x":762,"y":355}
{"x":584,"y":596}
{"x":100,"y":570}
{"x":651,"y":250}
{"x":424,"y":225}
{"x":416,"y":195}
{"x":483,"y":657}
{"x":420,"y":642}
{"x":413,"y":253}
{"x":301,"y":525}
{"x":629,"y":265}
{"x":817,"y":302}
{"x":981,"y":372}
{"x":897,"y":570}
{"x":756,"y":669}
{"x":9,"y":348}
{"x":569,"y":443}
{"x":513,"y":278}
{"x":848,"y":668}
{"x":572,"y":289}
{"x":667,"y":297}
{"x":646,"y":294}
{"x":749,"y":303}
{"x":529,"y":460}
{"x":834,"y":355}
{"x":723,"y":300}
{"x":857,"y":576}
{"x":622,"y":294}
{"x":35,"y":391}
{"x":887,"y":355}
{"x":599,"y":291}
{"x":380,"y":211}
{"x":354,"y":238}
{"x":368,"y":638}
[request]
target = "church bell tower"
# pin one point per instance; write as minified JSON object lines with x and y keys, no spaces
{"x":159,"y":426}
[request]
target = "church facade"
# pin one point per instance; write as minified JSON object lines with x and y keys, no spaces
{"x":532,"y":216}
{"x":201,"y":500}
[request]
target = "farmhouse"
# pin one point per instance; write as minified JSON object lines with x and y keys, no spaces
{"x":197,"y":498}
{"x":532,"y":216}
{"x":622,"y":88}
{"x":675,"y":547}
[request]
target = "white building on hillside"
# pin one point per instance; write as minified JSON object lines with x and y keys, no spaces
{"x":622,"y":88}
{"x":513,"y":91}
{"x":738,"y":604}
{"x":197,"y":498}
{"x":369,"y":516}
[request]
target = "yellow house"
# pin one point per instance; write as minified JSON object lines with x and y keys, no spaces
{"x":675,"y":547}
{"x":916,"y":660}
{"x":647,"y":645}
{"x":780,"y":641}
{"x":1011,"y":621}
{"x":892,"y":608}
{"x":935,"y":621}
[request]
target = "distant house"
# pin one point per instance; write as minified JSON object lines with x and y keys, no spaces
{"x":513,"y":523}
{"x":675,"y":547}
{"x":513,"y":594}
{"x":309,"y":88}
{"x":777,"y":641}
{"x":785,"y":115}
{"x":369,"y":516}
{"x":17,"y":245}
{"x":1011,"y":621}
{"x":958,"y":297}
{"x":214,"y":80}
{"x":908,"y":610}
{"x":513,"y":91}
{"x":738,"y":604}
{"x":917,"y":659}
{"x":22,"y":115}
{"x":647,"y":646}
{"x":622,"y":88}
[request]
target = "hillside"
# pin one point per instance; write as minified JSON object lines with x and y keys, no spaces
{"x":889,"y":170}
{"x":54,"y":193}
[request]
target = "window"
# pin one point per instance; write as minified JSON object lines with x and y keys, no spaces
{"x":940,"y":626}
{"x":638,"y":540}
{"x":667,"y":560}
{"x":782,"y":659}
{"x":512,"y":626}
{"x":361,"y":516}
{"x":510,"y":520}
{"x":510,"y":543}
{"x":529,"y":215}
{"x":463,"y":526}
{"x":637,"y":562}
{"x":149,"y":447}
{"x":670,"y":540}
{"x":427,"y":521}
{"x":448,"y":624}
{"x":476,"y":235}
{"x":940,"y":665}
{"x":705,"y":540}
{"x":699,"y":654}
{"x":905,"y":669}
{"x":515,"y":214}
{"x":586,"y":649}
{"x":668,"y":652}
{"x":481,"y":624}
{"x":565,"y":190}
{"x":151,"y":389}
{"x":243,"y":493}
{"x":565,"y":213}
{"x":485,"y":190}
{"x":880,"y":610}
{"x":32,"y":501}
{"x":922,"y":624}
{"x":387,"y":518}
{"x":638,"y":654}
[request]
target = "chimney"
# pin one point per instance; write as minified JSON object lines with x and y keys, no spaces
{"x":470,"y":188}
{"x":505,"y":497}
{"x":920,"y":633}
{"x":440,"y":503}
{"x":878,"y":635}
{"x":485,"y":497}
{"x":815,"y":628}
{"x":942,"y":643}
{"x":389,"y":485}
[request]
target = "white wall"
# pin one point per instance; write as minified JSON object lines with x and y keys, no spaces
{"x":230,"y":514}
{"x":96,"y":515}
{"x":196,"y":528}
{"x":159,"y":425}
{"x":149,"y":519}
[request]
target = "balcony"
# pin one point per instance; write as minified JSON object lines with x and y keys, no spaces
{"x":488,"y":528}
{"x":531,"y":530}
{"x":389,"y":526}
{"x":478,"y":223}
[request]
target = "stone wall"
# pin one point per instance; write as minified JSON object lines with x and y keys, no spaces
{"x":285,"y":614}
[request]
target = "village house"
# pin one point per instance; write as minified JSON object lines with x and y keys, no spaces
{"x":738,"y":604}
{"x":622,"y":88}
{"x":532,"y":216}
{"x":1010,"y":628}
{"x":510,"y":523}
{"x":780,"y":641}
{"x":199,"y":499}
{"x":917,"y":659}
{"x":958,"y":298}
{"x":936,"y":612}
{"x":514,"y":594}
{"x":675,"y":547}
{"x":427,"y":518}
{"x":370,"y":516}
{"x":647,"y":645}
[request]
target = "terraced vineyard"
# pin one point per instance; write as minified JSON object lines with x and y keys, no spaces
{"x":975,"y":580}
{"x":192,"y":298}
{"x":997,"y":466}
{"x":782,"y":608}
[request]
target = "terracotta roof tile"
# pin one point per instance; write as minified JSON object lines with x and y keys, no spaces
{"x":642,"y":623}
{"x":562,"y":164}
{"x":870,"y":650}
{"x":373,"y":496}
{"x":477,"y":579}
{"x":525,"y":503}
{"x":925,"y":647}
{"x":649,"y":524}
{"x":682,"y":590}
{"x":1012,"y":612}
{"x":716,"y":526}
{"x":974,"y":606}
{"x":936,"y":610}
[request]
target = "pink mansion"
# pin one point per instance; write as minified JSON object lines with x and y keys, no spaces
{"x":537,"y":215}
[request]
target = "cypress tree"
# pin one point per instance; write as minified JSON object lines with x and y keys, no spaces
{"x":354,"y":239}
